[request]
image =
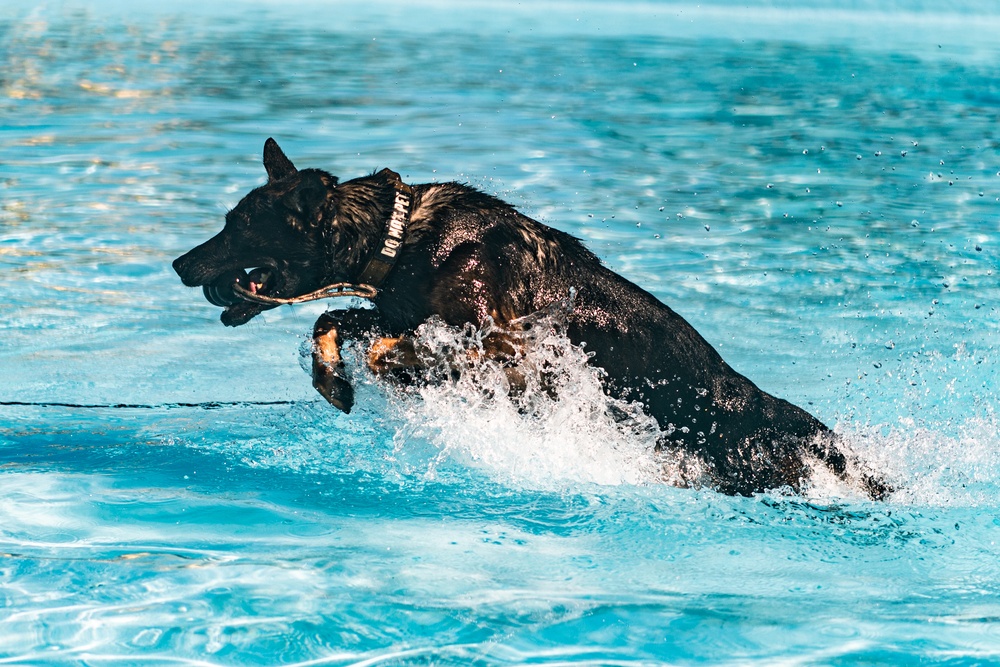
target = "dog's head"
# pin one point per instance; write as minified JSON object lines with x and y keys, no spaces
{"x":276,"y":232}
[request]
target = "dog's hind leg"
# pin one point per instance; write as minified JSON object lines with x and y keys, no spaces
{"x":328,"y":370}
{"x":827,"y":447}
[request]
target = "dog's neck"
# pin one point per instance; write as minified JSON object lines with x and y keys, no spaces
{"x":387,"y":251}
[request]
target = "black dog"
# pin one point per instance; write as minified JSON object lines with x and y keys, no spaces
{"x":451,"y":251}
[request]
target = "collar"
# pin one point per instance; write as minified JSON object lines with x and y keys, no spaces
{"x":384,"y":259}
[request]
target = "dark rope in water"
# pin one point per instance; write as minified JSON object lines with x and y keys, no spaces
{"x":207,"y":405}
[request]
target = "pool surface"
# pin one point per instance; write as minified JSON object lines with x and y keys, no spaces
{"x":815,"y":186}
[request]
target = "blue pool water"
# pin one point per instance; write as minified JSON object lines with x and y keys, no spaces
{"x":814,"y":185}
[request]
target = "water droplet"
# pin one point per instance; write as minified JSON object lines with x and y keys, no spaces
{"x":877,"y":365}
{"x":890,"y":345}
{"x":903,"y":153}
{"x":708,"y":228}
{"x":979,"y":248}
{"x":859,"y":157}
{"x":840,"y":203}
{"x":805,"y":152}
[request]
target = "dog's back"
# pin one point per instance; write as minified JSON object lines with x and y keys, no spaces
{"x":750,"y":440}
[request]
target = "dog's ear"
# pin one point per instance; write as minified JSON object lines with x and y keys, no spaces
{"x":278,"y":166}
{"x":307,"y":197}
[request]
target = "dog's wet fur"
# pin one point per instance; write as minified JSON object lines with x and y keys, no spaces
{"x":468,"y":257}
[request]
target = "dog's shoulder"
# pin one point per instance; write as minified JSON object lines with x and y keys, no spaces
{"x":453,"y":215}
{"x":441,"y":204}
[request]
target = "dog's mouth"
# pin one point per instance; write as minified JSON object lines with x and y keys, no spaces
{"x":225,"y":290}
{"x":229,"y":291}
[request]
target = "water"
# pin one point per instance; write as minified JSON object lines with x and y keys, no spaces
{"x":815,"y":186}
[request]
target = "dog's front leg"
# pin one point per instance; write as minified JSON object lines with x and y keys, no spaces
{"x":393,"y":354}
{"x":406,"y":357}
{"x":328,"y":370}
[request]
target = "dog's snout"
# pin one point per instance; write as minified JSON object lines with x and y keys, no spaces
{"x":179,"y":267}
{"x":201,"y":265}
{"x":183,"y":267}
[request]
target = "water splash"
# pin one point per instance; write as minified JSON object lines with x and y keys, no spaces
{"x":956,"y":464}
{"x":540,"y":421}
{"x":549,"y":424}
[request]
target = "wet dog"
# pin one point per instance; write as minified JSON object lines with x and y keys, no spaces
{"x":450,"y":251}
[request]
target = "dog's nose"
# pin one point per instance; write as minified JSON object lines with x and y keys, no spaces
{"x":181,"y":267}
{"x":200,"y":264}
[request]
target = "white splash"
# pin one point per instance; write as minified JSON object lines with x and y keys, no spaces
{"x":544,"y":425}
{"x":560,"y":428}
{"x":954,"y":464}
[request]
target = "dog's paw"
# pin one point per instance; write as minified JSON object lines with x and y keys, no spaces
{"x":332,"y":385}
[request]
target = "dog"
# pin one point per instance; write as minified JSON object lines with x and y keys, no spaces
{"x":450,"y":251}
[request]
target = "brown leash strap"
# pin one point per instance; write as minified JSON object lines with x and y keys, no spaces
{"x":328,"y":292}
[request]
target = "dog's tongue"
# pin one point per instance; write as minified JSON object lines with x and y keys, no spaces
{"x":236,"y":310}
{"x":258,"y":279}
